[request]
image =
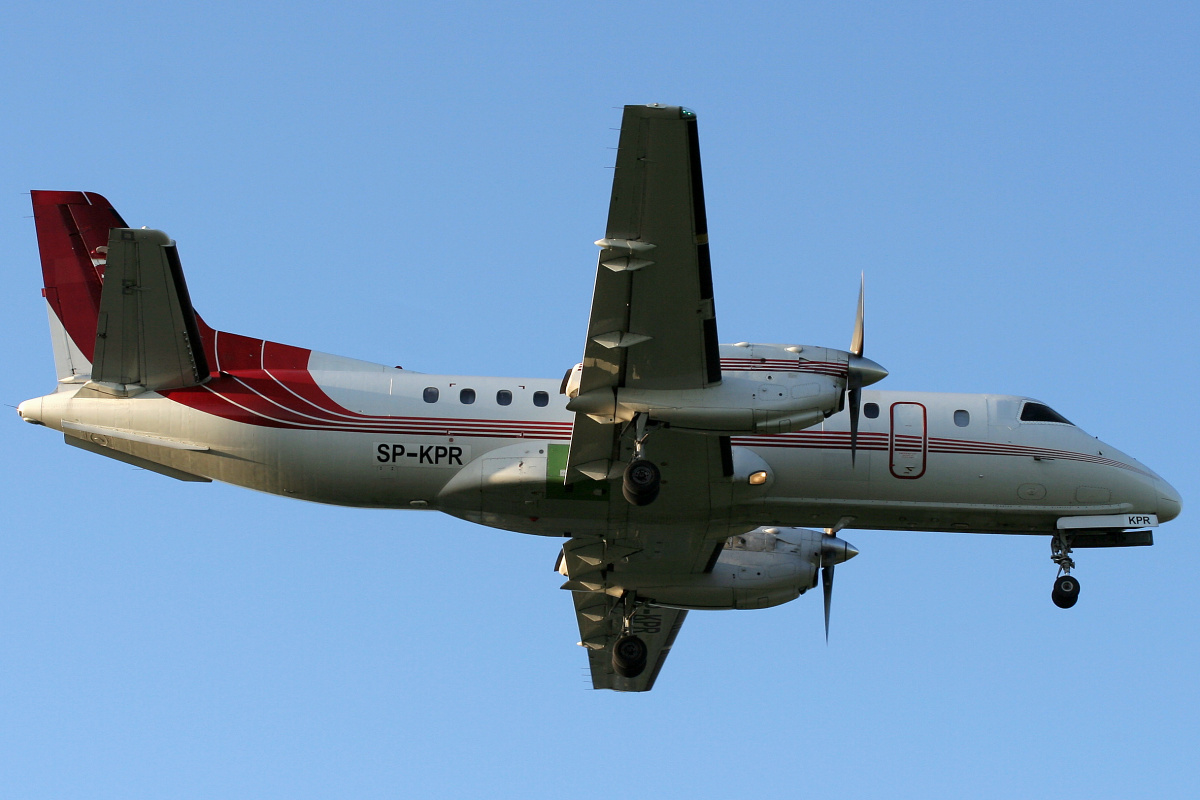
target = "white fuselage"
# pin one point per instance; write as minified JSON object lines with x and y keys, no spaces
{"x":352,"y":433}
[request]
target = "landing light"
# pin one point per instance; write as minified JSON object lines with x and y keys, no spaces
{"x":758,"y":478}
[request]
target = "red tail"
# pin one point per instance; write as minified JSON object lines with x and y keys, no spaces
{"x":72,"y":231}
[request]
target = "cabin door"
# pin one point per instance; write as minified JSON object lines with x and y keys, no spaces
{"x":908,"y":444}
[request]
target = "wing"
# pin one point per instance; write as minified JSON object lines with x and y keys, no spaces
{"x":600,"y":624}
{"x":652,"y":324}
{"x":680,"y":534}
{"x":596,"y":567}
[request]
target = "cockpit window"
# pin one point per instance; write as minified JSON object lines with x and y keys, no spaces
{"x":1036,"y":412}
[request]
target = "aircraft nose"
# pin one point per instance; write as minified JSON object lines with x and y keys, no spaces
{"x":1169,"y":501}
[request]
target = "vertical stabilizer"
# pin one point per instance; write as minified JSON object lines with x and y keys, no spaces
{"x":72,"y":231}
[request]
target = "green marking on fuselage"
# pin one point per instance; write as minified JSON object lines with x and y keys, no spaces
{"x":556,"y":474}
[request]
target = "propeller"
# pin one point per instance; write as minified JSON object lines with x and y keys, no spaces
{"x":827,"y":588}
{"x":833,"y":552}
{"x":860,"y":372}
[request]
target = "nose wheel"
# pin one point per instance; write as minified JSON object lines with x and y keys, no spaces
{"x":1066,"y":586}
{"x":1066,"y":591}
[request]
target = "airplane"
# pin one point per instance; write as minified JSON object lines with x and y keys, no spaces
{"x":683,"y":474}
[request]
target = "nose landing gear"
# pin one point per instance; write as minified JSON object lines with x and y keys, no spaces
{"x":1066,"y":588}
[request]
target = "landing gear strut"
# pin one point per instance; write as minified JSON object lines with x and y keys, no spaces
{"x":1066,"y":588}
{"x":642,"y":478}
{"x":629,"y":651}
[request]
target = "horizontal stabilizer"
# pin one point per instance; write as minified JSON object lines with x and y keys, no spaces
{"x":146,"y":334}
{"x":136,"y":461}
{"x":105,"y":432}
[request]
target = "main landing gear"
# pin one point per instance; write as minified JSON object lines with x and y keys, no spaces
{"x":642,"y":479}
{"x":1066,"y":587}
{"x":629,"y":656}
{"x":629,"y":651}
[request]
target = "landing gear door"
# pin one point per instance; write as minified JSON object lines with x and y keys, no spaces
{"x":909,"y":442}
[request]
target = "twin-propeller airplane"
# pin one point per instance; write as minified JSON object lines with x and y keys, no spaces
{"x":677,"y":469}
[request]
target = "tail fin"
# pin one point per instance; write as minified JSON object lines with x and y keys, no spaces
{"x":72,"y":231}
{"x":139,"y":332}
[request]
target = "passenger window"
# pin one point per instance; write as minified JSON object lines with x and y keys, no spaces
{"x":962,"y":418}
{"x":431,"y":394}
{"x":541,"y":399}
{"x":504,"y":397}
{"x":871,"y":410}
{"x":467,"y":396}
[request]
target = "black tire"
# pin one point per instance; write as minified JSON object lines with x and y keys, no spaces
{"x":629,"y":656}
{"x":641,"y":482}
{"x":1066,"y":591}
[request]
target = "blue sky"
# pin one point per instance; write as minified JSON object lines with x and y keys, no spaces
{"x":421,"y":186}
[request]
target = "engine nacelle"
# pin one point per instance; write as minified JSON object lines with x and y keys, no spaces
{"x":763,"y":389}
{"x":766,"y":567}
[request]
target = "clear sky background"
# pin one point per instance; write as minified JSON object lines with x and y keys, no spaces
{"x":421,"y":185}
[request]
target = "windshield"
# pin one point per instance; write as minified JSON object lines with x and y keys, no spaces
{"x":1039,"y":412}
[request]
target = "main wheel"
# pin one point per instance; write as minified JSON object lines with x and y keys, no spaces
{"x":641,"y":482}
{"x":629,"y":656}
{"x":1066,"y":591}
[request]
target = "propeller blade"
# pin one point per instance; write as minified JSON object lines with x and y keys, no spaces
{"x":855,"y":401}
{"x":860,"y":371}
{"x":833,"y":551}
{"x":853,"y":381}
{"x":827,"y":587}
{"x":856,"y":342}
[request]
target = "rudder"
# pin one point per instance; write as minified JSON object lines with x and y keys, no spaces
{"x":72,"y":231}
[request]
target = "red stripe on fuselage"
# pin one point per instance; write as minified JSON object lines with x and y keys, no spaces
{"x":268,"y":384}
{"x":835,"y":369}
{"x":840,"y":440}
